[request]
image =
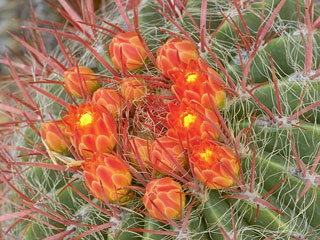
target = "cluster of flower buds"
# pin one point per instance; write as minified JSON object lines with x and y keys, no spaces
{"x":192,"y":119}
{"x":92,"y":127}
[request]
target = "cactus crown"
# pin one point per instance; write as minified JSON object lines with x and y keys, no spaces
{"x":207,"y":129}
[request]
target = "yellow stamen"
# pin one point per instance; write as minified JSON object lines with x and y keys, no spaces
{"x":86,"y":119}
{"x":206,"y":155}
{"x":191,"y":77}
{"x":188,"y":120}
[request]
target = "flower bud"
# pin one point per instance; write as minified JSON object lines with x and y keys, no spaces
{"x":127,"y":50}
{"x":108,"y":99}
{"x":198,"y":82}
{"x":191,"y":122}
{"x":106,"y":174}
{"x":80,"y":81}
{"x":91,"y":129}
{"x":51,"y":133}
{"x":166,"y":154}
{"x":164,"y":198}
{"x":175,"y":54}
{"x":140,"y":148}
{"x":133,"y":90}
{"x":214,"y":165}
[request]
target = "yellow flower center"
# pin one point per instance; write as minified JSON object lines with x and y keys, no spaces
{"x":191,"y":77}
{"x":188,"y":120}
{"x":206,"y":155}
{"x":86,"y":119}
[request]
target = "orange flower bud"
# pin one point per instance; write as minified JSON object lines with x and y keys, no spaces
{"x":214,"y":165}
{"x":133,"y":89}
{"x":164,"y":197}
{"x":52,"y":136}
{"x":80,"y":81}
{"x":199,"y":82}
{"x":175,"y":54}
{"x":126,"y":49}
{"x":190,"y":123}
{"x":107,"y":174}
{"x":140,"y":148}
{"x":165,"y":151}
{"x":91,"y":128}
{"x":109,"y":99}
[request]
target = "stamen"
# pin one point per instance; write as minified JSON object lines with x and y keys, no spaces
{"x":188,"y":120}
{"x":86,"y":119}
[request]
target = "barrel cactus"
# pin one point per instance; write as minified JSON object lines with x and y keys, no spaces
{"x":165,"y":120}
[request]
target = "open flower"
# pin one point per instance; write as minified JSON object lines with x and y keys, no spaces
{"x":51,"y":133}
{"x":191,"y":122}
{"x":91,"y":129}
{"x":80,"y":81}
{"x":166,"y":154}
{"x":109,"y":99}
{"x":164,"y":198}
{"x":214,"y":165}
{"x":174,"y":54}
{"x":127,"y":50}
{"x":106,"y":174}
{"x":200,"y":83}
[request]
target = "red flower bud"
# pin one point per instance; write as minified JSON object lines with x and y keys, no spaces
{"x":164,"y":197}
{"x":51,"y":134}
{"x":165,"y":151}
{"x":126,"y":49}
{"x":91,"y":129}
{"x":191,"y":122}
{"x":198,"y":82}
{"x":109,"y":99}
{"x":80,"y":81}
{"x":133,"y":90}
{"x":106,"y":174}
{"x":214,"y":165}
{"x":140,"y":148}
{"x":175,"y":54}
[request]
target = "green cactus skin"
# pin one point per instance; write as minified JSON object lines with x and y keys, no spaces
{"x":129,"y":220}
{"x":152,"y":224}
{"x":276,"y":167}
{"x":274,"y":144}
{"x":288,"y":55}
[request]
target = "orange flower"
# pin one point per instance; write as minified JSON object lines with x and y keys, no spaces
{"x":191,"y":122}
{"x":80,"y":81}
{"x":91,"y":128}
{"x":127,"y":49}
{"x":175,"y":54}
{"x":52,"y":136}
{"x":214,"y":165}
{"x":107,"y":174}
{"x":164,"y":197}
{"x":109,"y":99}
{"x":199,"y":82}
{"x":164,"y":150}
{"x":140,"y":148}
{"x":133,"y":89}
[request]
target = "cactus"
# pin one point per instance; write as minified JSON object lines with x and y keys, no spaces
{"x":205,"y":125}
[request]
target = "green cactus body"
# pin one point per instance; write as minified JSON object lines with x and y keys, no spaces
{"x":277,"y":168}
{"x":269,"y":126}
{"x":152,"y":224}
{"x":288,"y":55}
{"x":129,"y":220}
